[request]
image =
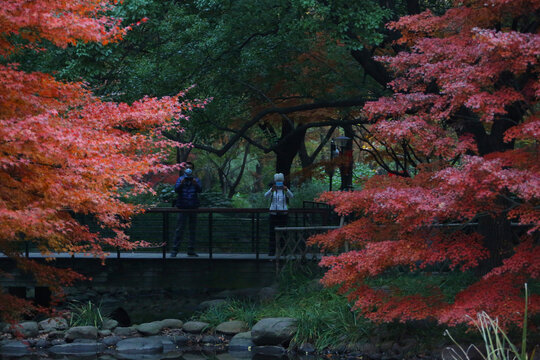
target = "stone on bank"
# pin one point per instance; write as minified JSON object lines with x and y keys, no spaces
{"x":274,"y":331}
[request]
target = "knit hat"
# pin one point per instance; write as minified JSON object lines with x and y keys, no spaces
{"x":279,"y":177}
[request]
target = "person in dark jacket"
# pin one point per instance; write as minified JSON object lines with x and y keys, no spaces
{"x":187,"y":186}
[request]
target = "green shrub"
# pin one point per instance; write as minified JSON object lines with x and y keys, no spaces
{"x":233,"y":309}
{"x":324,"y":317}
{"x":86,"y":314}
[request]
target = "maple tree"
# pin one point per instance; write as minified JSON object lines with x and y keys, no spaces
{"x":463,"y":125}
{"x":64,"y":151}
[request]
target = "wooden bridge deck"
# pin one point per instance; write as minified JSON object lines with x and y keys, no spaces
{"x":151,"y":255}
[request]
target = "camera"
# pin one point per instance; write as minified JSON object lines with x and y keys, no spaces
{"x":188,"y":173}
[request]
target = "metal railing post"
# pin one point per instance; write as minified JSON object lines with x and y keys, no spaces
{"x":253,"y":231}
{"x":257,"y":237}
{"x":165,"y":235}
{"x":210,"y":224}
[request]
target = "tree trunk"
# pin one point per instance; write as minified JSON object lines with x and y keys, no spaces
{"x":495,"y":227}
{"x":182,"y":156}
{"x":346,"y":171}
{"x":258,"y":185}
{"x":498,"y":238}
{"x":287,"y":151}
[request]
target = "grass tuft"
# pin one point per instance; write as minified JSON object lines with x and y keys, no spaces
{"x":86,"y":314}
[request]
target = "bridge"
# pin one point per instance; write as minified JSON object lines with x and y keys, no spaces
{"x":232,"y":245}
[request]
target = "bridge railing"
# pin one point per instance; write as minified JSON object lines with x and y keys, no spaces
{"x":225,"y":230}
{"x":219,"y":230}
{"x":291,"y":244}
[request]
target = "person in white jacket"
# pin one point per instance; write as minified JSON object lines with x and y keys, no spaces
{"x":278,"y":209}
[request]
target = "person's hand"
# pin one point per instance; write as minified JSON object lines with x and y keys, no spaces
{"x":274,"y":188}
{"x":285,"y":188}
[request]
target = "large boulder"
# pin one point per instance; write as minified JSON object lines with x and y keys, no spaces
{"x":232,"y":327}
{"x":109,"y":324}
{"x":139,"y":346}
{"x":27,"y":329}
{"x":171,"y":324}
{"x":241,"y":342}
{"x":195,"y":327}
{"x":125,"y":331}
{"x":155,"y":327}
{"x":84,"y":347}
{"x":82,"y":332}
{"x":52,"y":324}
{"x":111,"y":340}
{"x":151,"y":328}
{"x":274,"y":331}
{"x":14,"y":347}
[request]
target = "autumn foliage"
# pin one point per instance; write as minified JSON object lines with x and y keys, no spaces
{"x":465,"y":109}
{"x":64,"y":151}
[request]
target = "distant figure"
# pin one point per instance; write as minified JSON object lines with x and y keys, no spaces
{"x":278,"y":209}
{"x":187,"y":186}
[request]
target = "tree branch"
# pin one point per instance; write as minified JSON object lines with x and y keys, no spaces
{"x":240,"y":133}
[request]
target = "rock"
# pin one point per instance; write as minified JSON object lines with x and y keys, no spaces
{"x":274,"y":331}
{"x":209,"y":339}
{"x":81,"y":332}
{"x":232,"y":327}
{"x":104,"y":333}
{"x":51,"y":324}
{"x":167,"y":342}
{"x":155,"y":327}
{"x":366,"y":349}
{"x":124,"y":331}
{"x":56,"y":335}
{"x":139,"y":346}
{"x":4,"y":327}
{"x":269,"y":350}
{"x":30,"y":342}
{"x":172,"y":324}
{"x":42,"y":343}
{"x":109,"y":324}
{"x":205,"y":305}
{"x":57,"y":342}
{"x":14,"y":347}
{"x":111,"y":340}
{"x":195,"y":327}
{"x":80,"y":347}
{"x":241,"y":342}
{"x":151,"y":328}
{"x":267,"y":294}
{"x":180,"y":340}
{"x":27,"y":329}
{"x":306,"y":349}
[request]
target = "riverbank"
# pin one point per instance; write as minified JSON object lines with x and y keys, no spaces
{"x":295,"y":316}
{"x":171,"y":338}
